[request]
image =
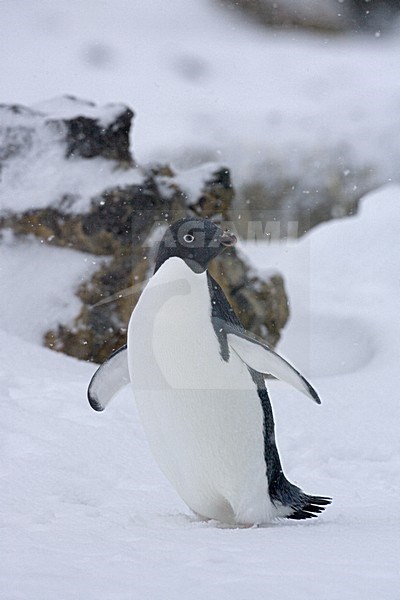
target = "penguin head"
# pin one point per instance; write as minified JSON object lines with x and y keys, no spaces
{"x":196,"y":241}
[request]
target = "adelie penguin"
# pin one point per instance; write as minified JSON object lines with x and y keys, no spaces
{"x":199,"y":382}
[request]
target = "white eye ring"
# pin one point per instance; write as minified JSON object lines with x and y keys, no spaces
{"x":189,"y":238}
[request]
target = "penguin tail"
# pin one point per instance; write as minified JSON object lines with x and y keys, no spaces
{"x":311,"y":507}
{"x":296,"y":504}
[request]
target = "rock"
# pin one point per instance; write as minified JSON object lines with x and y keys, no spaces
{"x":275,"y":202}
{"x":320,"y":15}
{"x":118,"y":221}
{"x":311,"y":14}
{"x":46,"y":143}
{"x":87,"y":137}
{"x":85,"y":130}
{"x":373,"y":15}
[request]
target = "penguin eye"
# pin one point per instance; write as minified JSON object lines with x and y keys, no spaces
{"x":189,"y":238}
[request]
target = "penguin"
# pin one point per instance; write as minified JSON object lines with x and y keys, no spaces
{"x":199,"y":381}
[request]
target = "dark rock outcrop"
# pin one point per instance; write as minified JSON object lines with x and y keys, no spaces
{"x":86,"y":137}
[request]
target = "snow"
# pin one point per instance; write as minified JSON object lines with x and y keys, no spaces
{"x":35,"y":293}
{"x":192,"y":181}
{"x":68,"y":107}
{"x":70,"y":184}
{"x":84,"y":510}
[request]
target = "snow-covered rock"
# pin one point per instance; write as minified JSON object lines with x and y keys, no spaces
{"x":41,"y":150}
{"x":69,"y":179}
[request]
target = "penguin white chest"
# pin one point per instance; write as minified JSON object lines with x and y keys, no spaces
{"x":171,"y":340}
{"x":186,"y":346}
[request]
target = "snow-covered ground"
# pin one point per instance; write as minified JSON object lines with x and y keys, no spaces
{"x":84,"y":510}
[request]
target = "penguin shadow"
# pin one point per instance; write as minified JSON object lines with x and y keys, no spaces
{"x":194,"y":519}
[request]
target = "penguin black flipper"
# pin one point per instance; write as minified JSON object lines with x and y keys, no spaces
{"x":222,"y":316}
{"x":253,"y":352}
{"x":109,"y":379}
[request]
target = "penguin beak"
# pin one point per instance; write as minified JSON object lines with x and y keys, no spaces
{"x":228,"y":239}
